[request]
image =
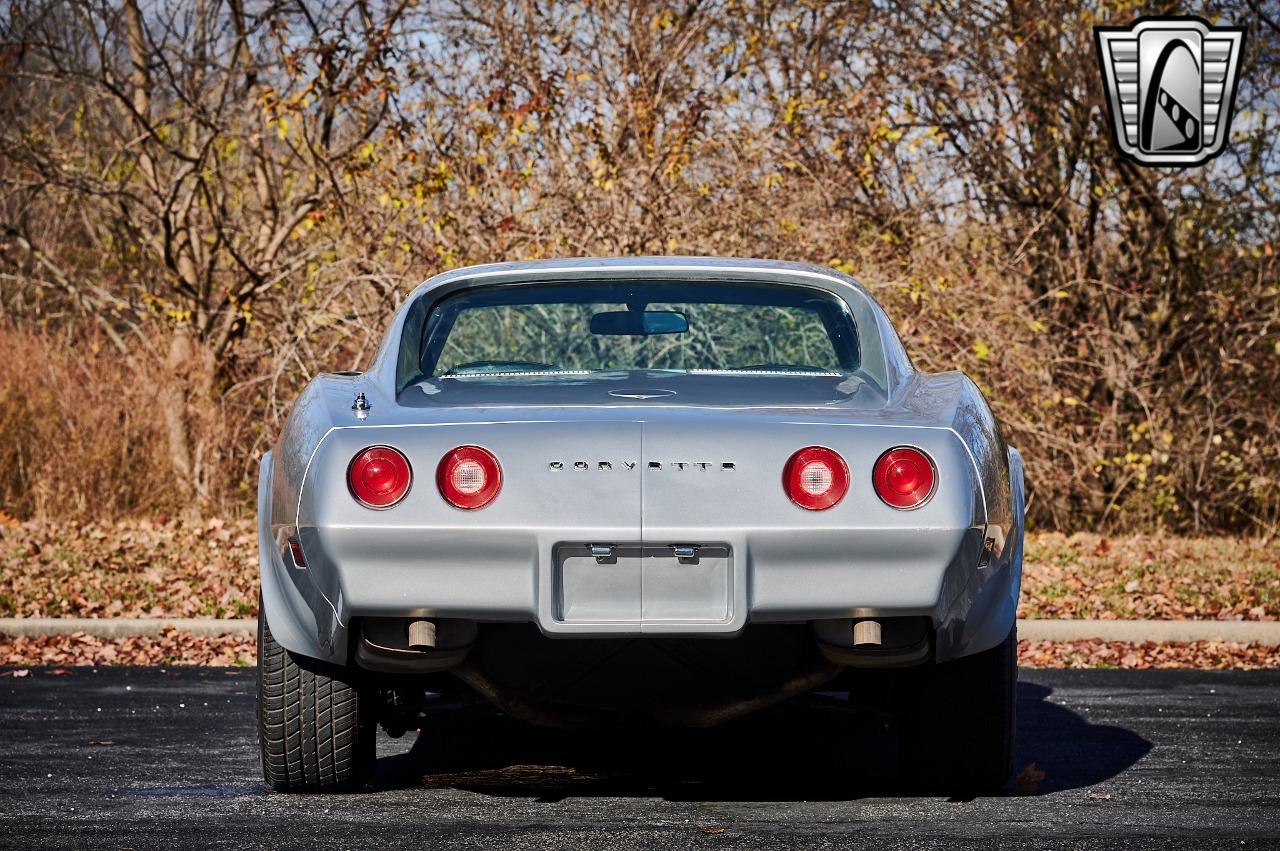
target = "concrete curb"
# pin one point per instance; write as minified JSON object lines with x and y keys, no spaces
{"x":1237,"y":632}
{"x":123,"y":627}
{"x":1240,"y":632}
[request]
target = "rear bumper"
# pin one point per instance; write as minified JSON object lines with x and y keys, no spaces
{"x":521,"y":576}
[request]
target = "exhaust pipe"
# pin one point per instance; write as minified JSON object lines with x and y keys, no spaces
{"x":866,"y":632}
{"x":422,"y":635}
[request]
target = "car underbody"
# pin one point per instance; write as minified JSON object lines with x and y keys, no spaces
{"x":678,"y":680}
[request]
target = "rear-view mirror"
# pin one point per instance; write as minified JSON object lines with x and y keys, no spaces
{"x":639,"y":323}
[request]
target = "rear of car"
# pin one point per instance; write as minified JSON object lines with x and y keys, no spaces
{"x":564,"y":485}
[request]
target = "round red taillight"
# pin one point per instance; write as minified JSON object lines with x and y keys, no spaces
{"x":469,"y":477}
{"x":904,"y":477}
{"x":379,"y":476}
{"x":815,"y":478}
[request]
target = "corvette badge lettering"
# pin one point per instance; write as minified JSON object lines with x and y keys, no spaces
{"x":605,"y":466}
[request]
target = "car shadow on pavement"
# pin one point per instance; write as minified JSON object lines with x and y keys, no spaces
{"x":1071,"y":751}
{"x":815,"y":749}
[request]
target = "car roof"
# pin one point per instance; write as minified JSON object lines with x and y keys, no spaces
{"x":533,"y":271}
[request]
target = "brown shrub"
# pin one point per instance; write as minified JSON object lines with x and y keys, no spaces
{"x":81,"y":433}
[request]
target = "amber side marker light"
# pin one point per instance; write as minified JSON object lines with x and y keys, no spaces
{"x":469,"y":477}
{"x":379,"y":476}
{"x":904,"y":477}
{"x":815,"y":478}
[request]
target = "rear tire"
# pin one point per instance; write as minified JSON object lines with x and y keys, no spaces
{"x":958,"y":721}
{"x":315,"y":728}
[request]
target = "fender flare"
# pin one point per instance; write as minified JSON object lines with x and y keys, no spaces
{"x":293,"y":624}
{"x":995,"y":613}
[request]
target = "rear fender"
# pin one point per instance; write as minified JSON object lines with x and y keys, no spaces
{"x":294,"y":623}
{"x":992,"y":605}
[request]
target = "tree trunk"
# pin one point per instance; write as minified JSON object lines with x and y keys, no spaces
{"x":187,"y":405}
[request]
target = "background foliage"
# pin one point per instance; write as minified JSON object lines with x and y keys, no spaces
{"x":203,"y":203}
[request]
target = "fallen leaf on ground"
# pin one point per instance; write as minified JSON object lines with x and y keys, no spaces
{"x":1156,"y":576}
{"x":169,"y":648}
{"x":1095,"y":653}
{"x":1029,"y":778}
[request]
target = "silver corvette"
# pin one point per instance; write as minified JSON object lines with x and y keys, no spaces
{"x":641,"y":490}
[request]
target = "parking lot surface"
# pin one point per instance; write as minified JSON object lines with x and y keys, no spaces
{"x":150,"y":757}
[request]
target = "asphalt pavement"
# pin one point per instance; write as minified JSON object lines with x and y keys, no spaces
{"x":150,"y":757}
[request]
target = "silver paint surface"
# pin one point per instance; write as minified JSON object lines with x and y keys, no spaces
{"x":521,"y":558}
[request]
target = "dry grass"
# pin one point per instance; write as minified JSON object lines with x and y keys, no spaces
{"x":81,"y":433}
{"x":1161,"y":577}
{"x":83,"y":436}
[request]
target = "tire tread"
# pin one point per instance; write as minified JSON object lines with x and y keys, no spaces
{"x":316,"y":731}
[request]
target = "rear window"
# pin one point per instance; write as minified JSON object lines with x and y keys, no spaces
{"x":546,"y":330}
